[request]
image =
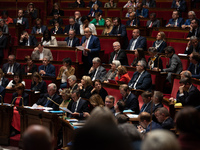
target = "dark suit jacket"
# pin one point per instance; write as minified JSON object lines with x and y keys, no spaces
{"x":134,"y":22}
{"x":43,"y":28}
{"x":103,"y":93}
{"x":3,"y":44}
{"x":94,"y":11}
{"x":160,"y":49}
{"x":147,"y":107}
{"x":108,"y":74}
{"x":60,"y":12}
{"x":168,"y":123}
{"x":16,"y":68}
{"x":76,"y":27}
{"x":153,"y":126}
{"x":141,"y":43}
{"x":144,"y":82}
{"x":144,"y":12}
{"x":122,"y":57}
{"x":182,"y":7}
{"x":191,"y":68}
{"x":193,"y":33}
{"x":82,"y":107}
{"x":2,"y":92}
{"x":151,"y":5}
{"x":51,"y":22}
{"x":190,"y":98}
{"x":42,"y":87}
{"x":32,"y":70}
{"x":50,"y":70}
{"x":157,"y":106}
{"x":25,"y":99}
{"x":24,"y":22}
{"x":100,"y":74}
{"x":87,"y":92}
{"x":76,"y":41}
{"x":190,"y":49}
{"x":122,"y":31}
{"x":156,"y":63}
{"x":180,"y":22}
{"x":59,"y":31}
{"x":43,"y":100}
{"x":98,"y":3}
{"x":132,"y":103}
{"x":156,"y":23}
{"x":32,"y":40}
{"x":4,"y":82}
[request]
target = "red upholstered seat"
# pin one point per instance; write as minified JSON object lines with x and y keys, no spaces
{"x":178,"y":47}
{"x":165,"y":61}
{"x":8,"y":98}
{"x":121,"y":4}
{"x":163,"y":4}
{"x":99,"y":31}
{"x":198,"y":87}
{"x":130,"y":73}
{"x":154,"y":33}
{"x":130,"y":57}
{"x":54,"y":53}
{"x":175,"y":88}
{"x":129,"y":33}
{"x":21,"y":53}
{"x":143,"y":23}
{"x":113,"y":13}
{"x":149,"y":44}
{"x":184,"y":63}
{"x":28,"y":83}
{"x":61,"y":54}
{"x":176,"y":35}
{"x":115,"y":93}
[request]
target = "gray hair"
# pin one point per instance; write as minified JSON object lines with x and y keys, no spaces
{"x":192,"y":12}
{"x":52,"y":85}
{"x":143,"y":63}
{"x":47,"y":57}
{"x":193,"y":38}
{"x":111,"y":97}
{"x":96,"y":59}
{"x":73,"y":77}
{"x":90,"y":30}
{"x":116,"y":43}
{"x":72,"y":30}
{"x":116,"y":62}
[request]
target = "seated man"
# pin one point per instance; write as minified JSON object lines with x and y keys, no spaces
{"x":194,"y":29}
{"x":79,"y":105}
{"x":56,"y":18}
{"x":191,"y":16}
{"x":40,"y":52}
{"x":175,"y":65}
{"x":137,"y":41}
{"x":118,"y":54}
{"x":162,"y":115}
{"x":38,"y":28}
{"x":188,"y":94}
{"x":131,"y":101}
{"x":21,"y":20}
{"x":157,"y":100}
{"x":142,"y":12}
{"x":50,"y":99}
{"x":26,"y":40}
{"x":141,"y":78}
{"x":4,"y":26}
{"x":119,"y":107}
{"x":47,"y":69}
{"x":72,"y":26}
{"x":153,"y":22}
{"x":133,"y":21}
{"x":176,"y":21}
{"x":149,"y":3}
{"x":92,"y":2}
{"x":193,"y":45}
{"x":97,"y":71}
{"x":186,"y":74}
{"x":109,"y":102}
{"x":72,"y":40}
{"x":72,"y":83}
{"x":12,"y":66}
{"x":77,"y":16}
{"x":180,"y":5}
{"x":148,"y":104}
{"x":119,"y":30}
{"x":194,"y":66}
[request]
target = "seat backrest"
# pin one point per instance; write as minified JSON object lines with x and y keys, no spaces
{"x":115,"y":93}
{"x":175,"y":88}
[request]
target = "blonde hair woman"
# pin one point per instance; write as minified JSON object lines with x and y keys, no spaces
{"x":160,"y":43}
{"x":85,"y":87}
{"x":108,"y":27}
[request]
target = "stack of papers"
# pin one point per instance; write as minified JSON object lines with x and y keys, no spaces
{"x":132,"y":115}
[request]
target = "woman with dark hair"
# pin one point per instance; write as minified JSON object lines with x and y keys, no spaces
{"x":5,"y":17}
{"x":56,"y":29}
{"x":38,"y":84}
{"x":79,"y":4}
{"x":65,"y":71}
{"x":139,"y":53}
{"x":48,"y":40}
{"x":95,"y":9}
{"x":56,"y":9}
{"x":17,"y":78}
{"x":86,"y":23}
{"x":31,"y":10}
{"x":29,"y":68}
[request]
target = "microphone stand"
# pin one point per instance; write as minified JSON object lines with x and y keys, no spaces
{"x":18,"y":97}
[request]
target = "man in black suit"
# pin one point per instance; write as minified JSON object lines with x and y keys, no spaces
{"x":119,"y":30}
{"x":194,"y":29}
{"x":26,"y":40}
{"x":153,"y":22}
{"x":3,"y":43}
{"x":50,"y":99}
{"x":11,"y":67}
{"x":131,"y":101}
{"x":118,"y":54}
{"x":194,"y":66}
{"x":148,"y":104}
{"x":21,"y":20}
{"x":157,"y":100}
{"x":133,"y":21}
{"x":79,"y":105}
{"x":193,"y":45}
{"x":72,"y":25}
{"x":38,"y":28}
{"x":97,"y":71}
{"x":141,"y":78}
{"x":72,"y":40}
{"x":92,"y":2}
{"x":56,"y":18}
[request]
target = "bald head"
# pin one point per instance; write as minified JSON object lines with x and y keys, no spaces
{"x":37,"y":137}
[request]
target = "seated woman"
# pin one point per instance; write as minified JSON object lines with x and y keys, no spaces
{"x":48,"y":40}
{"x":17,"y":78}
{"x":139,"y":55}
{"x":56,"y":9}
{"x":65,"y":71}
{"x":154,"y":59}
{"x":98,"y":20}
{"x":86,"y":23}
{"x":110,"y":4}
{"x":5,"y":17}
{"x":130,"y":10}
{"x":56,"y":29}
{"x":66,"y":99}
{"x":130,"y":3}
{"x":4,"y":81}
{"x":29,"y":68}
{"x":79,"y":4}
{"x":122,"y":76}
{"x":98,"y":89}
{"x":111,"y":74}
{"x":160,"y":43}
{"x":20,"y":98}
{"x":85,"y":87}
{"x":94,"y":10}
{"x":108,"y":27}
{"x":31,"y":10}
{"x":72,"y":83}
{"x":38,"y":84}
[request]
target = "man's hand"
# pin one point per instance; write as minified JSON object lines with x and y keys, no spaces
{"x":36,"y":49}
{"x":181,"y":89}
{"x":76,"y":114}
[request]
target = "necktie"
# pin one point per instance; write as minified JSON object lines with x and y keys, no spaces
{"x":84,"y":52}
{"x":151,"y":24}
{"x":116,"y":56}
{"x":142,"y":109}
{"x":47,"y":103}
{"x":131,"y":24}
{"x":69,"y":43}
{"x":75,"y":103}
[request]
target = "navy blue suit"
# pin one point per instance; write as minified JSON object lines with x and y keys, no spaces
{"x":24,"y":22}
{"x":4,"y":82}
{"x":180,"y":22}
{"x":32,"y":41}
{"x":25,"y":99}
{"x":34,"y":30}
{"x":134,"y":22}
{"x":94,"y":11}
{"x":141,"y":43}
{"x":160,"y":49}
{"x":59,"y":31}
{"x":194,"y":33}
{"x":16,"y":68}
{"x":153,"y":126}
{"x":132,"y":103}
{"x":147,"y":107}
{"x":144,"y":82}
{"x":75,"y":27}
{"x":2,"y":92}
{"x":191,"y":48}
{"x":191,"y":68}
{"x":50,"y":70}
{"x":120,"y":30}
{"x":75,"y":42}
{"x":182,"y":7}
{"x":144,"y":12}
{"x":168,"y":123}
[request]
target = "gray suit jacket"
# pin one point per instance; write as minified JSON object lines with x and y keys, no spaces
{"x":100,"y":74}
{"x":156,"y":23}
{"x":105,"y":78}
{"x":36,"y":55}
